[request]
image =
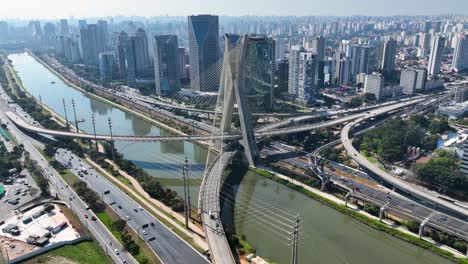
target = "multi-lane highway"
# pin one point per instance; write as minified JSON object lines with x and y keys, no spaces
{"x":397,"y":183}
{"x":374,"y":193}
{"x":106,"y":240}
{"x":168,"y":246}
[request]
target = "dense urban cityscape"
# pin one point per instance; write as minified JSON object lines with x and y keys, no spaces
{"x":225,"y":139}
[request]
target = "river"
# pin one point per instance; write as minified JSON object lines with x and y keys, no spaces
{"x":328,"y":235}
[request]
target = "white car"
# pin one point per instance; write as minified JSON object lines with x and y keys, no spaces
{"x":128,"y":217}
{"x":116,"y":251}
{"x":144,"y":232}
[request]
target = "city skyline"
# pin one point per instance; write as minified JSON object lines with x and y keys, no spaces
{"x":54,"y":9}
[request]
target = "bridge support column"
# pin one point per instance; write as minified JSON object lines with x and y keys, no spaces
{"x":421,"y":229}
{"x":325,"y":180}
{"x":382,"y":211}
{"x":346,"y":199}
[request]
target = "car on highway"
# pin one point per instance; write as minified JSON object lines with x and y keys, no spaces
{"x":211,"y":215}
{"x":86,"y":216}
{"x":144,"y":232}
{"x":128,"y":217}
{"x":93,"y":218}
{"x":116,"y":251}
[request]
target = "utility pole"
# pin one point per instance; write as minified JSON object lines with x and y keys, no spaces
{"x":295,"y":240}
{"x":187,"y":170}
{"x":95,"y":137}
{"x":74,"y":113}
{"x":112,"y":139}
{"x":184,"y":177}
{"x":65,"y":112}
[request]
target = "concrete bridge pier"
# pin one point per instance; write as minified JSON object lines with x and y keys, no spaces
{"x":346,"y":199}
{"x":421,"y":229}
{"x":325,"y":180}
{"x":382,"y":211}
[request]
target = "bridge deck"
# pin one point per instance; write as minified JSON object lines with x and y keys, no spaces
{"x":210,"y":210}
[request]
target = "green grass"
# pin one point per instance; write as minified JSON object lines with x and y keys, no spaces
{"x":145,"y":252}
{"x":176,"y":230}
{"x":84,"y":253}
{"x":69,"y":177}
{"x":366,"y":220}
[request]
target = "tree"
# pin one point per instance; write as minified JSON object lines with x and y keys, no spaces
{"x":49,"y":150}
{"x":413,"y":226}
{"x":369,"y":97}
{"x":119,"y":224}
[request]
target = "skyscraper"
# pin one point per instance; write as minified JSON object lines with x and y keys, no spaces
{"x":204,"y":52}
{"x":435,"y":57}
{"x":363,"y":59}
{"x":166,"y":64}
{"x":49,"y":33}
{"x":301,"y":74}
{"x":460,"y":57}
{"x":130,"y":63}
{"x":64,"y":27}
{"x":182,"y":63}
{"x":421,"y":79}
{"x":102,"y":34}
{"x":121,"y":57}
{"x":464,"y":161}
{"x":343,"y":68}
{"x":258,"y":67}
{"x":106,"y":65}
{"x":318,"y":46}
{"x":141,"y":53}
{"x":82,"y":24}
{"x":387,"y":55}
{"x":283,"y":72}
{"x":91,"y":44}
{"x":408,"y":80}
{"x":374,"y":84}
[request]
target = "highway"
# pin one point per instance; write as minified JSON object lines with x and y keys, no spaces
{"x":397,"y":183}
{"x":105,"y":239}
{"x":209,"y":204}
{"x":372,"y":192}
{"x":167,"y":245}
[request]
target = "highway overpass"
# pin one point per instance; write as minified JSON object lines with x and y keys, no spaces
{"x":397,"y":183}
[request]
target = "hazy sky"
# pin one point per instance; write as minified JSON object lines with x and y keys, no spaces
{"x":96,"y":8}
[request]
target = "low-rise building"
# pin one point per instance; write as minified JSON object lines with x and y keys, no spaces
{"x":454,"y":110}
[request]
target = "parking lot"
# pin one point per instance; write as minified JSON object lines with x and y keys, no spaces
{"x":19,"y":190}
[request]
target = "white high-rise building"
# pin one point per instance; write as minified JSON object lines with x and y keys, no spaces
{"x":301,"y":73}
{"x":464,"y":162}
{"x":408,"y":80}
{"x":460,"y":57}
{"x":435,"y":57}
{"x":374,"y":83}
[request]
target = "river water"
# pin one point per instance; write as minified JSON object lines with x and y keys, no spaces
{"x":328,"y":236}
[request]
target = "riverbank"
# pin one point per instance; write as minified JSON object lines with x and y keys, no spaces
{"x":359,"y":215}
{"x":104,"y":100}
{"x":174,"y":223}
